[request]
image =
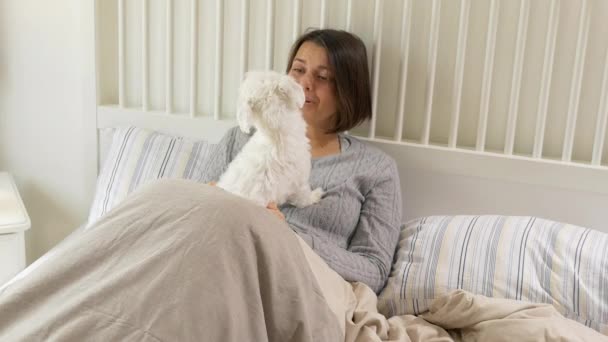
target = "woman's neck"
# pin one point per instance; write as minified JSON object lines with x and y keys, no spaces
{"x":323,"y":144}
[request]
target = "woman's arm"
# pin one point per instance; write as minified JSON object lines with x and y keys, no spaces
{"x":369,"y":256}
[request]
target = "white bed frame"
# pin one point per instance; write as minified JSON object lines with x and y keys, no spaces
{"x":485,"y":110}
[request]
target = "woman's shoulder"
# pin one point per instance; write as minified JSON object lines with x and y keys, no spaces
{"x":371,"y":166}
{"x":368,"y":153}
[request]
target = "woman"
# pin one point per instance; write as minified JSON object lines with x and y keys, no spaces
{"x":355,"y":227}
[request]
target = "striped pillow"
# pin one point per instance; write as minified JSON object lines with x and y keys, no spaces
{"x":137,"y":156}
{"x":523,"y":258}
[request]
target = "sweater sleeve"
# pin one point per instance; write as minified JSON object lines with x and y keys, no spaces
{"x":369,"y":256}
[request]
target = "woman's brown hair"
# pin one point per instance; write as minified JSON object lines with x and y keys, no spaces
{"x":348,"y":59}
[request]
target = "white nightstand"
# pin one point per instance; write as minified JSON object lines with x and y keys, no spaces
{"x":14,"y":221}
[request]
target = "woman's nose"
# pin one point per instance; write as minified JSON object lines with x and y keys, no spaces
{"x":306,"y":81}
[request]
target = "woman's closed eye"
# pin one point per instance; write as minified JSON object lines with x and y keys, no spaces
{"x":324,"y":78}
{"x":320,"y":77}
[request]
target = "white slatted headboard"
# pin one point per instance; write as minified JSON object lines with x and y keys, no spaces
{"x":489,"y":106}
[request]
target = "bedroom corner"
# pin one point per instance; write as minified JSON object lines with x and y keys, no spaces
{"x":41,"y":121}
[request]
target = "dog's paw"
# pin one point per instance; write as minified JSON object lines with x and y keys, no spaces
{"x":306,"y":197}
{"x":316,"y":195}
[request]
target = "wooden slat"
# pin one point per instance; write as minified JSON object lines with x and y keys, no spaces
{"x":219,"y":53}
{"x":169,"y":59}
{"x":577,"y":78}
{"x":545,"y":85}
{"x":193,"y":56}
{"x":431,"y":70}
{"x":463,"y":28}
{"x":488,"y":70}
{"x":349,"y":15}
{"x":406,"y":19}
{"x":121,"y":54}
{"x":145,"y":70}
{"x":269,"y":34}
{"x":323,"y":14}
{"x":378,"y":18}
{"x":297,"y":19}
{"x":602,"y":119}
{"x":244,"y":36}
{"x":518,"y":62}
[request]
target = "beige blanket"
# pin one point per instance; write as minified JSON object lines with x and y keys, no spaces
{"x":177,"y":261}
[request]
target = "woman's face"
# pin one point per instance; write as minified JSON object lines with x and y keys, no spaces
{"x":311,"y":69}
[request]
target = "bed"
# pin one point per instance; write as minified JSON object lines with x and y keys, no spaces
{"x":497,"y":123}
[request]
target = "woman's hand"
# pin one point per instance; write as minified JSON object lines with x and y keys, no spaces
{"x":275,"y":210}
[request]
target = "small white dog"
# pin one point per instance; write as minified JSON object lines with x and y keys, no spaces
{"x":274,"y":165}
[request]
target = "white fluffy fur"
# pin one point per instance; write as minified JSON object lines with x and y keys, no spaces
{"x":274,"y":165}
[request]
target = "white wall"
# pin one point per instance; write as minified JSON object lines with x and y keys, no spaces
{"x":41,"y":121}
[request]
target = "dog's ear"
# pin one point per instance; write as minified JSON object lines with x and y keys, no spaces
{"x":292,"y":90}
{"x":243,"y":116}
{"x":243,"y":109}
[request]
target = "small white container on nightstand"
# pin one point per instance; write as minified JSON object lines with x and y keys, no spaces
{"x":14,"y":221}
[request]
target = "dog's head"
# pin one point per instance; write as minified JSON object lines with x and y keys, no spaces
{"x":266,"y":95}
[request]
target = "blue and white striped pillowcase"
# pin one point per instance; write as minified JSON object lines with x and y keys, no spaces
{"x":138,"y":156}
{"x":523,"y":258}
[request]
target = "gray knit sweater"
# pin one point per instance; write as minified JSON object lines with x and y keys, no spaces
{"x":355,"y":226}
